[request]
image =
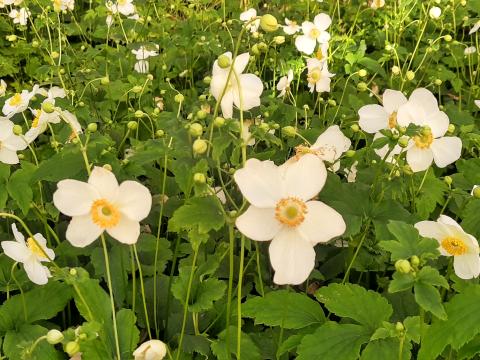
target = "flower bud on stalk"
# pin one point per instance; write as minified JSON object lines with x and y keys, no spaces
{"x":403,"y":266}
{"x":54,"y":337}
{"x":268,"y":23}
{"x":199,"y":146}
{"x":223,"y":61}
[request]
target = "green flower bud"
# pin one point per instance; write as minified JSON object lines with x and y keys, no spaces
{"x":403,"y":142}
{"x":201,"y":114}
{"x":48,"y":107}
{"x":92,"y":127}
{"x":72,"y":348}
{"x":410,"y":75}
{"x":199,"y":146}
{"x":476,"y":192}
{"x":355,"y":128}
{"x":289,"y":131}
{"x":73,"y":272}
{"x":136,"y":89}
{"x":264,"y":127}
{"x":268,"y":23}
{"x":207,"y":80}
{"x":132,"y":125}
{"x":448,"y":38}
{"x":17,"y":130}
{"x":399,"y":326}
{"x":350,"y":153}
{"x":448,"y":180}
{"x":255,"y":49}
{"x":54,"y":337}
{"x":105,"y":80}
{"x":179,"y":98}
{"x":438,"y":82}
{"x":159,"y":133}
{"x":224,"y":61}
{"x":332,"y":102}
{"x":362,"y":73}
{"x":414,"y":260}
{"x":195,"y":129}
{"x":219,"y":121}
{"x":199,"y":178}
{"x":403,"y":266}
{"x":361,"y":86}
{"x":451,"y":129}
{"x":279,"y":40}
{"x":139,"y":114}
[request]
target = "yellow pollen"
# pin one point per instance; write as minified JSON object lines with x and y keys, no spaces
{"x":34,"y":248}
{"x":423,"y":141}
{"x":454,"y":246}
{"x":319,"y":55}
{"x":37,"y":119}
{"x":314,"y":33}
{"x":314,"y":76}
{"x":15,"y":100}
{"x":290,"y":211}
{"x":104,"y":214}
{"x":392,"y":120}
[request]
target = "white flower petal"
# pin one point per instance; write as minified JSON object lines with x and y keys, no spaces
{"x":331,"y":144}
{"x":467,"y":266}
{"x":260,"y":183}
{"x":74,"y":198}
{"x":82,"y":231}
{"x":392,"y":100}
{"x":258,"y":224}
{"x":105,"y":182}
{"x":424,"y":99}
{"x":305,"y":44}
{"x":37,"y":272}
{"x":292,"y":257}
{"x":446,"y":150}
{"x":419,"y":159}
{"x":134,"y":200}
{"x":322,"y":223}
{"x":241,"y":62}
{"x":372,"y":118}
{"x":304,"y":178}
{"x":8,"y":156}
{"x":433,"y":229}
{"x":322,"y":21}
{"x":251,"y":87}
{"x":127,"y":231}
{"x":16,"y":251}
{"x":438,"y":123}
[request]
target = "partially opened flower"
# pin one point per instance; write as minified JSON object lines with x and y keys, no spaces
{"x":429,"y":144}
{"x":10,"y":143}
{"x":377,"y":4}
{"x":249,"y":85}
{"x":102,"y":205}
{"x":72,"y":121}
{"x":318,"y":76}
{"x":151,"y":350}
{"x":454,"y":242}
{"x":313,"y":32}
{"x":290,"y":27}
{"x":470,"y":50}
{"x":475,"y":28}
{"x":20,"y":16}
{"x":31,"y":254}
{"x":249,"y":15}
{"x":3,"y":87}
{"x":281,"y":209}
{"x":18,"y":102}
{"x":284,"y":83}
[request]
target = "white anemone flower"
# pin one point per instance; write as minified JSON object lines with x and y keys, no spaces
{"x":284,"y":83}
{"x":20,"y":16}
{"x":475,"y":28}
{"x":430,"y":144}
{"x":470,"y":50}
{"x":71,"y":120}
{"x":313,"y":33}
{"x":40,"y":123}
{"x":52,"y":93}
{"x":18,"y":102}
{"x":10,"y":143}
{"x":249,"y":15}
{"x":318,"y":76}
{"x":3,"y":87}
{"x":143,"y":53}
{"x":454,"y":241}
{"x":435,"y":12}
{"x":377,"y":4}
{"x":63,"y":5}
{"x":125,"y":7}
{"x":290,"y":27}
{"x":101,"y":205}
{"x":31,"y":254}
{"x":281,"y":209}
{"x":151,"y":350}
{"x":141,"y":66}
{"x":243,"y":90}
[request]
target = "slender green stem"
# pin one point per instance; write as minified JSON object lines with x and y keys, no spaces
{"x":239,"y":297}
{"x":142,"y":289}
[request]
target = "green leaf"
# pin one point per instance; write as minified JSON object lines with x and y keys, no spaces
{"x":249,"y":351}
{"x":428,"y":297}
{"x":407,"y":242}
{"x":431,"y":194}
{"x":431,"y":276}
{"x":202,"y":213}
{"x":385,"y":349}
{"x":128,"y":334}
{"x":19,"y":188}
{"x":461,"y":326}
{"x":353,"y":301}
{"x":333,"y":341}
{"x":470,"y":221}
{"x":41,"y":303}
{"x":283,"y":308}
{"x":401,"y":282}
{"x":64,"y":165}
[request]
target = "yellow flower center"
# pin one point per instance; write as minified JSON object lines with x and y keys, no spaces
{"x":454,"y":246}
{"x":314,"y":33}
{"x":34,"y":248}
{"x":122,"y":2}
{"x":290,"y":211}
{"x":424,"y":139}
{"x":392,"y":120}
{"x":37,"y":119}
{"x":314,"y":76}
{"x":104,"y":214}
{"x":15,"y":100}
{"x":320,"y":55}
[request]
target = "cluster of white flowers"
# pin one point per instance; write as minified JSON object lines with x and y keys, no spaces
{"x":20,"y":16}
{"x":421,"y":109}
{"x":63,"y":5}
{"x":142,"y":54}
{"x":124,"y":7}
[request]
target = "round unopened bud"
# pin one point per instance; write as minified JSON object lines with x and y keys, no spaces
{"x":35,"y":44}
{"x":279,"y":40}
{"x":132,"y":125}
{"x":199,"y":178}
{"x":355,"y":128}
{"x":92,"y":127}
{"x":11,"y":38}
{"x":350,"y":153}
{"x":219,"y":121}
{"x":73,"y":272}
{"x":255,"y":49}
{"x":179,"y":98}
{"x":264,"y":127}
{"x":105,"y":80}
{"x":451,"y":129}
{"x":107,"y":167}
{"x":136,"y":89}
{"x":54,"y":337}
{"x":55,"y":55}
{"x":448,"y":38}
{"x":224,"y":61}
{"x":426,"y":131}
{"x":361,"y":86}
{"x":414,"y":260}
{"x":438,"y":82}
{"x":139,"y":114}
{"x":200,"y":146}
{"x":435,"y":12}
{"x":448,"y":180}
{"x":410,"y":75}
{"x":362,"y":73}
{"x":72,"y":348}
{"x":476,"y":192}
{"x":195,"y":129}
{"x":403,"y":266}
{"x":399,"y":326}
{"x":403,"y":142}
{"x":289,"y":131}
{"x":17,"y":130}
{"x":48,"y":107}
{"x":395,"y":70}
{"x":332,"y":102}
{"x":201,"y":114}
{"x":268,"y":23}
{"x":159,"y":133}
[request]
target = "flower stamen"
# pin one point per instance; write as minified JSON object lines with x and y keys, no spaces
{"x":291,"y":211}
{"x":454,"y":246}
{"x":34,"y":248}
{"x":105,"y":214}
{"x":15,"y":100}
